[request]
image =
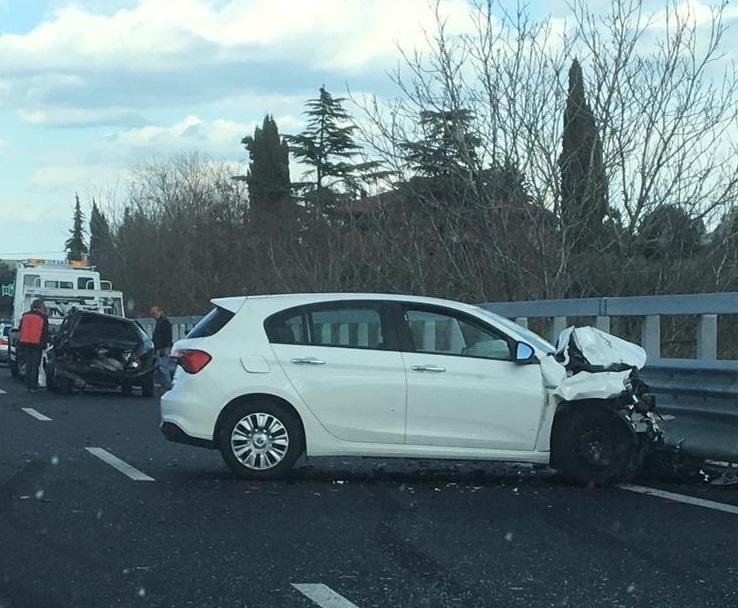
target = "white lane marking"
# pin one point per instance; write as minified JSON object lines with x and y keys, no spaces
{"x":690,"y":500}
{"x":117,"y":463}
{"x":2,"y":392}
{"x":323,"y":596}
{"x":36,"y":414}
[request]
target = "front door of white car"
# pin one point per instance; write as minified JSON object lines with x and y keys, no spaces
{"x":464,"y":390}
{"x":341,"y":359}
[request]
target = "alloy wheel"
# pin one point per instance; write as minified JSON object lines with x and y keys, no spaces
{"x":259,"y":441}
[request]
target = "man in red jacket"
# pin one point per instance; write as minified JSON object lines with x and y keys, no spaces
{"x":33,"y":336}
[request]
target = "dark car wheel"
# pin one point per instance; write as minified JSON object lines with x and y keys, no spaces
{"x":51,"y":379}
{"x":591,"y":447}
{"x":58,"y":384}
{"x":261,"y":440}
{"x":147,"y":385}
{"x":126,"y":388}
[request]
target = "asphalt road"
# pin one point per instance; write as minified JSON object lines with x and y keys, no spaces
{"x":77,"y":532}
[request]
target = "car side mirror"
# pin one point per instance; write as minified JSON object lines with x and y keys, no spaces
{"x":524,"y":353}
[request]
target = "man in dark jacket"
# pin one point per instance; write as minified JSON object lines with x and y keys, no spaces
{"x":33,"y":335}
{"x":163,"y":346}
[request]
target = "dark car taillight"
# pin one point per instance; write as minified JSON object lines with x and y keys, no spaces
{"x":192,"y":361}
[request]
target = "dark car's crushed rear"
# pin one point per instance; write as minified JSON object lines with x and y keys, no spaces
{"x":93,"y":349}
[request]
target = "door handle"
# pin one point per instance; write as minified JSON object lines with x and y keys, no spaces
{"x":308,"y":361}
{"x":428,"y":368}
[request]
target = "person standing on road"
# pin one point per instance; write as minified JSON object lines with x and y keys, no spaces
{"x":163,"y":346}
{"x":33,"y":335}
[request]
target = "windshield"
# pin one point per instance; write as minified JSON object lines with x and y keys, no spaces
{"x":526,"y":334}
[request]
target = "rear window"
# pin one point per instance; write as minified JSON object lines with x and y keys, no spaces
{"x":103,"y":328}
{"x":6,"y":331}
{"x":211,"y":323}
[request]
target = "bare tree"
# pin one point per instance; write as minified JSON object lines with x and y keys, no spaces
{"x":664,"y":101}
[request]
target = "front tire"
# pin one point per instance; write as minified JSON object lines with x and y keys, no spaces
{"x":261,"y":440}
{"x":591,"y":448}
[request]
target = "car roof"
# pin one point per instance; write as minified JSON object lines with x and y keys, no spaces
{"x":102,"y":315}
{"x":234,"y":304}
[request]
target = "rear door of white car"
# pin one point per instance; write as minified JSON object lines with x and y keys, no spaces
{"x":343,"y":359}
{"x":464,"y":390}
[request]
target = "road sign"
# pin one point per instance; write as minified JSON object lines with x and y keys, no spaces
{"x":8,"y":290}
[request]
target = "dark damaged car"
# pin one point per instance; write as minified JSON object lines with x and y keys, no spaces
{"x":97,"y":350}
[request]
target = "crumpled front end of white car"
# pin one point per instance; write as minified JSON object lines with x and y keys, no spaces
{"x":595,"y":365}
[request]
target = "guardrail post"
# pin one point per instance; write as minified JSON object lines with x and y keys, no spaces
{"x":651,"y":335}
{"x":522,"y":321}
{"x":707,"y":337}
{"x":558,"y":325}
{"x":603,"y":324}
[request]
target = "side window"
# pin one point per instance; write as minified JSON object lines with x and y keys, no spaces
{"x":342,"y":325}
{"x":356,"y":327}
{"x":448,"y":334}
{"x":288,"y":328}
{"x":30,"y":280}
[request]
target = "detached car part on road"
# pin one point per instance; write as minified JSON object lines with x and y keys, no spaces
{"x":97,"y":350}
{"x":265,"y":379}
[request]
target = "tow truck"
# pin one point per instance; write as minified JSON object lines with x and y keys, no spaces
{"x":63,"y":286}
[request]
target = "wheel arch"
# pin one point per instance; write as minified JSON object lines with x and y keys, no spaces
{"x":250,"y":398}
{"x":568,"y":409}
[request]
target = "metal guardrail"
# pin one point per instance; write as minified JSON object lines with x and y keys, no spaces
{"x":650,"y":309}
{"x":180,"y":325}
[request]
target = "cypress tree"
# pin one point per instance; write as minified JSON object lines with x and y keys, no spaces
{"x":75,"y":245}
{"x":583,"y":179}
{"x":268,"y":178}
{"x":100,"y":237}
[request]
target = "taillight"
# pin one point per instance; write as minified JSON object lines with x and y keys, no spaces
{"x":3,"y":342}
{"x":192,"y":361}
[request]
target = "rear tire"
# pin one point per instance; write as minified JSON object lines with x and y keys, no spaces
{"x":13,"y":365}
{"x":147,"y":385}
{"x":591,"y":448}
{"x":260,"y":440}
{"x":51,"y":380}
{"x":62,"y":385}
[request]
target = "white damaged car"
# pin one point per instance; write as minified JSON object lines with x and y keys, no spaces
{"x":266,"y":379}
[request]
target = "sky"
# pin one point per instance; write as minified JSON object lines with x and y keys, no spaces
{"x":91,"y":88}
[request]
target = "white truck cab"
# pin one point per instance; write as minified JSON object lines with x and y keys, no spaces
{"x":63,"y":286}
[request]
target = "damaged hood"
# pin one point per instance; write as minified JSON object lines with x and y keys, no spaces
{"x":594,"y":364}
{"x":589,"y":349}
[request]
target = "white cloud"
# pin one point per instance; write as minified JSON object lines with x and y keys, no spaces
{"x":216,"y":138}
{"x":191,"y":132}
{"x":81,"y":117}
{"x":3,"y":144}
{"x":156,"y":35}
{"x":205,"y":50}
{"x":75,"y":178}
